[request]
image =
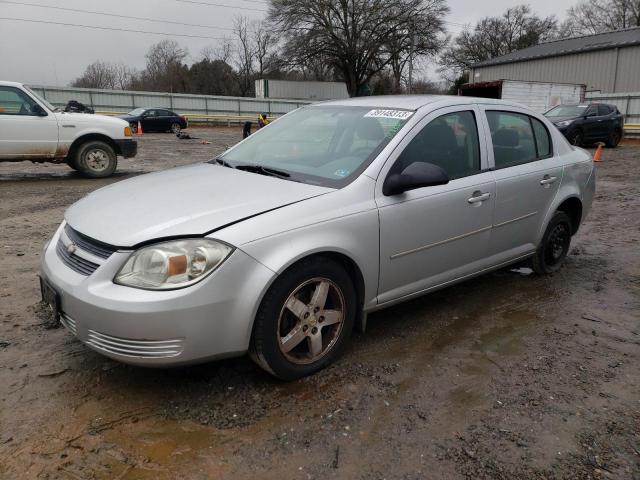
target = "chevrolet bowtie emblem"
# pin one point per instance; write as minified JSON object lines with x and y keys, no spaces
{"x":71,"y":248}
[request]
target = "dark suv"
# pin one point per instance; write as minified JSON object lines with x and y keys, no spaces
{"x":588,"y":123}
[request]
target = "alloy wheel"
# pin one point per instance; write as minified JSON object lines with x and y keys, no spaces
{"x":175,"y":128}
{"x":311,"y":321}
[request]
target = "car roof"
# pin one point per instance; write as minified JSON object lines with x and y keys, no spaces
{"x":414,"y":102}
{"x":6,"y":83}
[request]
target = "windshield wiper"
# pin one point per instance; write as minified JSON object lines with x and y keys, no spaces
{"x":222,"y":162}
{"x":272,"y":172}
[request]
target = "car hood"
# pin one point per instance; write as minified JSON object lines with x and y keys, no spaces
{"x":92,"y":118}
{"x":561,"y":119}
{"x":192,"y":200}
{"x":128,"y":118}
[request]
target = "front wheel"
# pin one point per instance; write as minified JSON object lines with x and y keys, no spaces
{"x":96,"y":159}
{"x":554,"y":246}
{"x":304,"y":320}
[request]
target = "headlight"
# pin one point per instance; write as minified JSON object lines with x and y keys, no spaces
{"x":127,"y":132}
{"x":564,"y":123}
{"x":170,"y":265}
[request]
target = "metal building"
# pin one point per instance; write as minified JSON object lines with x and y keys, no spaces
{"x":606,"y":62}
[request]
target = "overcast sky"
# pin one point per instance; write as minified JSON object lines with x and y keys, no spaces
{"x":48,"y":54}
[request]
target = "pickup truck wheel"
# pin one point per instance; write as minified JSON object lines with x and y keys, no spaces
{"x":71,"y":161}
{"x":96,"y":159}
{"x":614,"y":139}
{"x":175,"y":128}
{"x":554,"y":246}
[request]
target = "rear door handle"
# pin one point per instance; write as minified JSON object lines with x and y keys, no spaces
{"x":547,"y":180}
{"x":479,"y":197}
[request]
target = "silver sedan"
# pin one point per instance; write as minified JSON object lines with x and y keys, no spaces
{"x":283,"y":244}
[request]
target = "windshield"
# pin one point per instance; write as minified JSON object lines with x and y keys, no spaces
{"x":567,"y":111}
{"x":42,"y":100}
{"x":321,"y":145}
{"x":136,"y":112}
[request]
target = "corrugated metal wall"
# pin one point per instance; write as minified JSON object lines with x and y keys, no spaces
{"x":122,"y":101}
{"x":303,"y":90}
{"x":541,"y":96}
{"x":597,"y":70}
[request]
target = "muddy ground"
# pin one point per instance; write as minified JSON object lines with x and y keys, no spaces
{"x":508,"y":376}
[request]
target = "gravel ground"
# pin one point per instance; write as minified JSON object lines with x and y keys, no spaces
{"x":508,"y":376}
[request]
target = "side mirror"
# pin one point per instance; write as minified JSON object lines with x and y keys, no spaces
{"x":416,"y":175}
{"x":38,"y":110}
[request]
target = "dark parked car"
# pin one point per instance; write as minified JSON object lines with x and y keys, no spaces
{"x":588,"y":123}
{"x":155,"y":120}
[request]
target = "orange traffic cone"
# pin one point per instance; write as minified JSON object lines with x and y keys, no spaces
{"x":139,"y":131}
{"x":597,"y":157}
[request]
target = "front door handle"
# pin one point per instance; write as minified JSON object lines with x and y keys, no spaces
{"x":548,"y":180}
{"x":479,"y":197}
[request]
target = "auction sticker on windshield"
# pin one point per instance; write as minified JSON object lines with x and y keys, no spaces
{"x":399,"y":114}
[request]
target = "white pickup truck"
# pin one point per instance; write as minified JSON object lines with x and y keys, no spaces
{"x":33,"y":129}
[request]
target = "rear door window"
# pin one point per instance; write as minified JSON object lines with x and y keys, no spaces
{"x":543,"y":140}
{"x":512,"y":137}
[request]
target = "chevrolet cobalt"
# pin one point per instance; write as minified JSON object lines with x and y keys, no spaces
{"x":282,"y":245}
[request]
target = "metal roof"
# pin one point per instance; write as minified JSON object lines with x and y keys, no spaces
{"x":566,"y":46}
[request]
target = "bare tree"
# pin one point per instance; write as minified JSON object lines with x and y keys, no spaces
{"x":165,"y":70}
{"x":222,"y":51}
{"x":515,"y":29}
{"x":243,"y":55}
{"x":596,"y":16}
{"x":265,"y":44}
{"x":357,"y":38}
{"x":123,"y":76}
{"x":97,"y":75}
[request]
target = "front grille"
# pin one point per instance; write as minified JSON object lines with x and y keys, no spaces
{"x":69,"y":323}
{"x":135,"y":348}
{"x":74,"y":262}
{"x":90,"y":245}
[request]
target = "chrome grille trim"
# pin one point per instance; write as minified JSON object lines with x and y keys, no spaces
{"x":68,"y":323}
{"x":74,"y":262}
{"x":88,"y":244}
{"x":135,"y":348}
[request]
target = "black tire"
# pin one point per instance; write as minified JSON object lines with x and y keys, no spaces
{"x":614,"y":139}
{"x":576,"y":138}
{"x":134,"y":127}
{"x":71,"y":161}
{"x":96,"y":159}
{"x":175,"y":128}
{"x":267,"y":348}
{"x":554,"y":246}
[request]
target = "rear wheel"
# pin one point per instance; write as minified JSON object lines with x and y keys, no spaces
{"x":614,"y":139}
{"x":175,"y":128}
{"x":96,"y":159}
{"x":576,"y":138}
{"x":305,"y":319}
{"x":554,"y":246}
